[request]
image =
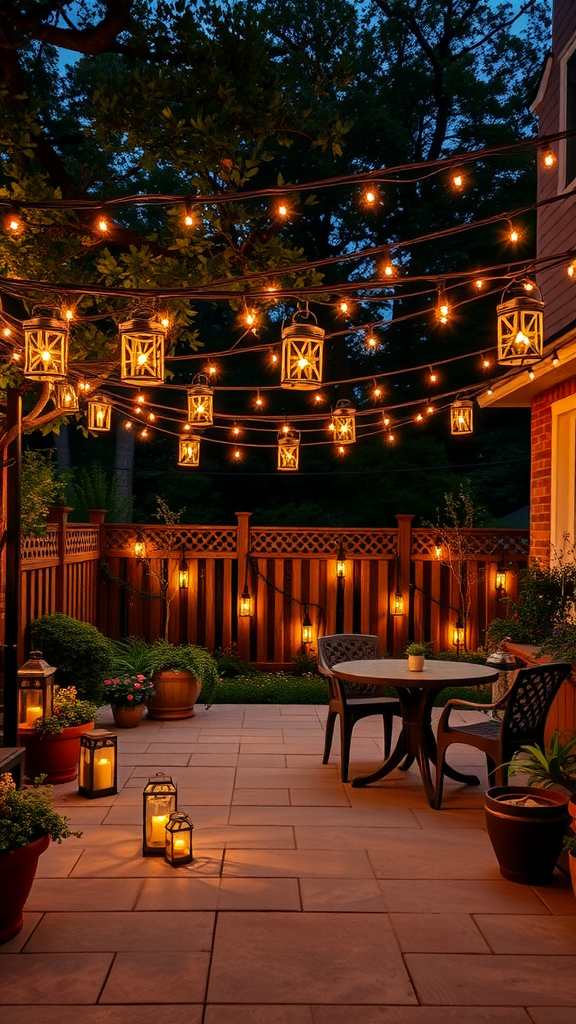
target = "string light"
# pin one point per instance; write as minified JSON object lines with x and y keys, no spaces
{"x":237,"y":454}
{"x":528,"y":286}
{"x":16,"y":356}
{"x":103,"y":225}
{"x":385,"y":420}
{"x":258,"y":402}
{"x":371,"y":341}
{"x":513,"y":235}
{"x":235,"y":430}
{"x":211,"y":369}
{"x":555,"y":359}
{"x":419,"y":417}
{"x":14,"y":224}
{"x":188,"y":218}
{"x":128,"y":425}
{"x":490,"y":390}
{"x":318,"y":397}
{"x":571,"y":270}
{"x":531,"y":374}
{"x":344,"y":307}
{"x":377,"y":392}
{"x":429,"y":410}
{"x":549,"y":158}
{"x":432,"y":376}
{"x":141,"y":399}
{"x":144,"y":433}
{"x":69,"y":314}
{"x":479,"y":283}
{"x":165,"y":322}
{"x":389,"y":269}
{"x":485,"y":362}
{"x":390,"y":437}
{"x":249,"y":318}
{"x":151,"y":417}
{"x":6,"y":332}
{"x":458,"y":181}
{"x":282,"y":210}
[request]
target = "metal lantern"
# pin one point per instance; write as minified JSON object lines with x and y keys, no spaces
{"x":288,"y":449}
{"x":245,"y":603}
{"x":500,"y":580}
{"x":341,"y":562}
{"x":35,"y":690}
{"x":344,"y":422}
{"x":159,"y":802}
{"x":520,"y":325}
{"x":458,"y":633}
{"x":302,"y":350}
{"x":200,"y":402}
{"x":461,"y":416}
{"x":189,"y":450}
{"x":307,"y":629}
{"x":139,"y":546}
{"x":183,"y":572}
{"x":438,"y":549}
{"x":97,"y":768}
{"x":178,"y":847}
{"x":398,"y":603}
{"x":66,"y":397}
{"x":45,"y":348}
{"x":99,"y":415}
{"x":142,"y":349}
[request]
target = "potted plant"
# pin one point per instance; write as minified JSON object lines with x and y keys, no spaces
{"x":27,"y":824}
{"x":53,"y":743}
{"x":570,"y":848}
{"x":416,"y":655}
{"x":553,"y":766}
{"x":127,"y":696}
{"x":178,"y":674}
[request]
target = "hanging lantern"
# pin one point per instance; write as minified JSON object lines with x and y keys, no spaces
{"x":344,"y":422}
{"x":438,"y":549}
{"x":139,"y":546}
{"x":97,"y":769}
{"x":66,"y":398}
{"x":458,"y":634}
{"x":200,"y":402}
{"x":142,"y":349}
{"x":501,"y":580}
{"x":45,"y":348}
{"x":245,"y":603}
{"x":35,"y":690}
{"x":99,"y":415}
{"x":159,"y":802}
{"x":302,"y":348}
{"x":520,"y":325}
{"x":398,"y":603}
{"x":183,"y":573}
{"x":461,"y":418}
{"x":178,"y":848}
{"x":307,"y":631}
{"x":288,"y":449}
{"x":189,"y":450}
{"x":341,"y":562}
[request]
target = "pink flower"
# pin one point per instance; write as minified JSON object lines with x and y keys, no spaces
{"x":129,"y":696}
{"x":140,"y":677}
{"x":137,"y":686}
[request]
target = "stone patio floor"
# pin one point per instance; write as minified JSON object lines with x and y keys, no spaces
{"x":308,"y":902}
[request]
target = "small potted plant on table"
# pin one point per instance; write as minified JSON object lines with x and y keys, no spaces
{"x":128,"y":696}
{"x":416,"y":656}
{"x":53,"y":744}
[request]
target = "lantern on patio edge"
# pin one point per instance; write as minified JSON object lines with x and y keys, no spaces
{"x":200,"y":397}
{"x":45,"y":346}
{"x":461,"y":416}
{"x":302,"y":352}
{"x":97,"y":769}
{"x":520,"y":324}
{"x":288,"y":449}
{"x":35,"y":690}
{"x":142,"y":342}
{"x":344,"y":422}
{"x":160,"y":798}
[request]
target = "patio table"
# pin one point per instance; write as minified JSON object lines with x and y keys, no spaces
{"x":416,"y":693}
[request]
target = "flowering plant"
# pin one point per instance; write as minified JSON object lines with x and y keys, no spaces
{"x":68,"y":711}
{"x":128,"y":691}
{"x":27,"y":815}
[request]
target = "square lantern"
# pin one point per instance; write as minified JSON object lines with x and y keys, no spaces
{"x":302,"y":352}
{"x":520,"y":325}
{"x":344,"y":422}
{"x":178,"y":848}
{"x":200,"y":402}
{"x":45,"y":348}
{"x":142,"y":350}
{"x":461,"y":417}
{"x":288,"y":449}
{"x":66,"y":397}
{"x":189,"y":450}
{"x":35,"y":690}
{"x":99,"y":415}
{"x":398,"y":603}
{"x":97,"y":768}
{"x":160,"y":801}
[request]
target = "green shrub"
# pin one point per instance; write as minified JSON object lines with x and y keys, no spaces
{"x":229,"y":664}
{"x":82,"y":655}
{"x":41,"y":488}
{"x":477,"y":657}
{"x":272,"y":688}
{"x":305,"y":664}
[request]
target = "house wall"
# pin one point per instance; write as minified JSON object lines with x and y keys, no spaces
{"x":541,"y":477}
{"x":556,"y":223}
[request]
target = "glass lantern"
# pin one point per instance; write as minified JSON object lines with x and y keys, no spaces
{"x":520,"y":325}
{"x":99,"y":415}
{"x":341,"y":562}
{"x":200,"y":402}
{"x":139,"y":549}
{"x":245,"y":603}
{"x":45,"y":348}
{"x":288,"y":449}
{"x":461,"y":417}
{"x":344,"y":422}
{"x":189,"y":450}
{"x":398,"y":603}
{"x":35,"y":690}
{"x":97,"y":769}
{"x":302,"y":352}
{"x":501,"y":580}
{"x":307,"y":629}
{"x":142,"y":342}
{"x":178,"y":848}
{"x":183,"y":572}
{"x":66,"y":398}
{"x":159,"y":802}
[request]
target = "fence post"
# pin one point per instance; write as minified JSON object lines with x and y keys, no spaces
{"x":96,"y":517}
{"x":59,"y":514}
{"x":402,"y":622}
{"x":242,"y":552}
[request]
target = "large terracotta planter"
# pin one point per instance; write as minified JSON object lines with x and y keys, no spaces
{"x":176,"y":695}
{"x":17,"y":871}
{"x":54,"y":756}
{"x":527,"y":840}
{"x":128,"y":718}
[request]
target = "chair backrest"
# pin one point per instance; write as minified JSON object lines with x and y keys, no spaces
{"x":346,"y":647}
{"x":530,"y":698}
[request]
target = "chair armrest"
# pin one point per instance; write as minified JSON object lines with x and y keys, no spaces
{"x":456,"y":702}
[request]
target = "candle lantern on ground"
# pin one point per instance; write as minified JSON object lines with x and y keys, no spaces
{"x":520,"y":325}
{"x":97,"y":770}
{"x":200,"y":402}
{"x":189,"y":450}
{"x":99,"y":415}
{"x":288,"y":449}
{"x":45,"y":348}
{"x":302,"y":352}
{"x":66,"y":397}
{"x":344,"y":422}
{"x":159,"y":802}
{"x":35,"y":690}
{"x":142,"y":349}
{"x":178,"y":848}
{"x":461,"y":416}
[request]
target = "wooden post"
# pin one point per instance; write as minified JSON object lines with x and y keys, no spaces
{"x":242,"y":552}
{"x":402,"y":622}
{"x":59,"y":514}
{"x":96,"y":517}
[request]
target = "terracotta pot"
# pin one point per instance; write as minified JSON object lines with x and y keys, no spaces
{"x":416,"y":662}
{"x":527,"y":840}
{"x":128,"y":718}
{"x":17,"y":871}
{"x":176,"y":695}
{"x":54,"y":756}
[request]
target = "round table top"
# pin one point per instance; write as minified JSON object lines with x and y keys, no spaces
{"x":395,"y":671}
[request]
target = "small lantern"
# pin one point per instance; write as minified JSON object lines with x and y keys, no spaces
{"x":501,"y":580}
{"x":160,"y":801}
{"x":344,"y":422}
{"x":520,"y":325}
{"x":99,"y":415}
{"x":341,"y":562}
{"x":200,"y":402}
{"x":438,"y":549}
{"x":288,"y":449}
{"x":398,"y":603}
{"x":139,"y":546}
{"x":45,"y":348}
{"x":458,"y":634}
{"x":302,"y":349}
{"x":307,"y":634}
{"x":178,"y":848}
{"x":183,"y":573}
{"x":66,"y":397}
{"x":35,"y":690}
{"x":461,"y":416}
{"x":189,"y":450}
{"x":245,"y":603}
{"x":142,"y":349}
{"x":97,"y":770}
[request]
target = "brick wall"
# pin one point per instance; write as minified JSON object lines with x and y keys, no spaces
{"x":541,"y":476}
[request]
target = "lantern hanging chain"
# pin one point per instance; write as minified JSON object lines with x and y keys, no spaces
{"x":303,"y":604}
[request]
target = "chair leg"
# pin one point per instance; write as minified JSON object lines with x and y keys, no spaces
{"x":345,"y":740}
{"x":494,"y":774}
{"x":440,"y":762}
{"x":332,"y":715}
{"x":387,"y":721}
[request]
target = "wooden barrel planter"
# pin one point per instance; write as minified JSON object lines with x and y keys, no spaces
{"x":176,"y":694}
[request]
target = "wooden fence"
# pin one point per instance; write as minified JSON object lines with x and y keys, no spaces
{"x":91,"y":572}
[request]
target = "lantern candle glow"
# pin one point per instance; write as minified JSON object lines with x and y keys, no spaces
{"x":35,"y":690}
{"x":159,"y":802}
{"x":97,"y":770}
{"x":178,"y":839}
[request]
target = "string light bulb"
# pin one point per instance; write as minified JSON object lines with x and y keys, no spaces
{"x":531,"y":374}
{"x":344,"y":307}
{"x":282,"y":210}
{"x":212,"y":370}
{"x":188,"y":218}
{"x":237,"y":454}
{"x":389,"y":269}
{"x":549,"y":158}
{"x":390,"y":437}
{"x":258,"y":401}
{"x":371,"y":341}
{"x":571,"y":270}
{"x":485,"y":362}
{"x":419,"y":417}
{"x":128,"y":425}
{"x":479,"y":283}
{"x":6,"y":332}
{"x":13,"y":223}
{"x":458,"y":181}
{"x":513,"y":235}
{"x":429,"y":410}
{"x":490,"y":390}
{"x":528,"y":286}
{"x":555,"y":359}
{"x":103,"y":225}
{"x":69,"y":314}
{"x":249,"y":318}
{"x":318,"y":398}
{"x":432,"y":376}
